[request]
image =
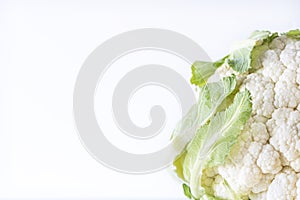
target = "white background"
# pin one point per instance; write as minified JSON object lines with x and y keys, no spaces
{"x":42,"y":47}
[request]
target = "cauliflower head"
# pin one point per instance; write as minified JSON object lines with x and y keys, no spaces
{"x":248,"y":145}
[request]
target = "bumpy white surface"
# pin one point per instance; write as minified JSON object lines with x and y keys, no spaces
{"x":265,"y":164}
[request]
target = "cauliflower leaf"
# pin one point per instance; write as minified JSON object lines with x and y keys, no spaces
{"x":211,"y":97}
{"x":213,"y":141}
{"x":295,"y":34}
{"x":245,"y":54}
{"x":202,"y":71}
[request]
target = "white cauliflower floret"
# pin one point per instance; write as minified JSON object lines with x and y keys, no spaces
{"x":283,"y":186}
{"x":271,"y":61}
{"x":288,"y":55}
{"x":245,"y":174}
{"x":287,"y":92}
{"x":284,"y":132}
{"x":263,"y":184}
{"x":250,"y":174}
{"x":269,"y":160}
{"x":230,"y":173}
{"x":219,"y":188}
{"x":262,"y":93}
{"x":259,"y":132}
{"x":241,"y":170}
{"x":225,"y":71}
{"x":255,"y":149}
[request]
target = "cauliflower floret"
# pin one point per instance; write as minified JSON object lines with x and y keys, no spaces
{"x":255,"y":149}
{"x":271,"y":61}
{"x":259,"y":132}
{"x":219,"y":188}
{"x":241,"y":170}
{"x":269,"y":160}
{"x":263,"y":184}
{"x":229,"y":173}
{"x":250,"y":174}
{"x":284,"y":132}
{"x":288,"y":55}
{"x":225,"y":71}
{"x":262,"y":93}
{"x":243,"y":175}
{"x":287,"y":92}
{"x":283,"y":186}
{"x":239,"y":150}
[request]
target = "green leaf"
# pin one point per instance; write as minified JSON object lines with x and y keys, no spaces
{"x":178,"y":164}
{"x":211,"y":96}
{"x":259,"y":50}
{"x":295,"y":34}
{"x":202,"y":71}
{"x":213,"y":141}
{"x":187,"y":191}
{"x":245,"y":55}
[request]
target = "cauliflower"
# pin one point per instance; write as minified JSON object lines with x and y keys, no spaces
{"x":269,"y":160}
{"x":249,"y":148}
{"x":283,"y":186}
